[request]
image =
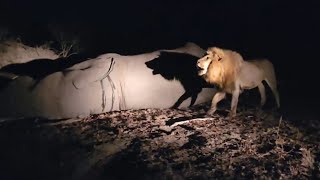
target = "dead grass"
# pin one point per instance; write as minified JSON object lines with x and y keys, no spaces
{"x":16,"y":52}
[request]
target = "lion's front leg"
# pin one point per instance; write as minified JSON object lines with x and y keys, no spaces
{"x":215,"y":100}
{"x":234,"y":103}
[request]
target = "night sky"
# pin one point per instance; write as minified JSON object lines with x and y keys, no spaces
{"x":286,"y":32}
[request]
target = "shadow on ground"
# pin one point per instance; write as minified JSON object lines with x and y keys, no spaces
{"x":161,"y":144}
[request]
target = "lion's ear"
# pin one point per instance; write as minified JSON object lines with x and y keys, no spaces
{"x":216,"y":51}
{"x":210,"y":51}
{"x":219,"y":52}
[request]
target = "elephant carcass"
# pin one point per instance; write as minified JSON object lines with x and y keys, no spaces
{"x":107,"y":83}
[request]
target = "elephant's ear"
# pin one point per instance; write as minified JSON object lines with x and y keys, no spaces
{"x":97,"y":71}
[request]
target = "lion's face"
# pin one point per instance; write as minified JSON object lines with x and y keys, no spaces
{"x":211,"y":59}
{"x":203,"y":65}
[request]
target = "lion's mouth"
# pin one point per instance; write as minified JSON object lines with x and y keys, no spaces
{"x":200,"y":68}
{"x":200,"y":71}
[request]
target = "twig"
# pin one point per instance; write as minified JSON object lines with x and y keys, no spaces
{"x":279,"y":127}
{"x":183,"y":122}
{"x":68,"y":121}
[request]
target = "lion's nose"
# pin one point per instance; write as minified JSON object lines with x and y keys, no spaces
{"x":199,"y":67}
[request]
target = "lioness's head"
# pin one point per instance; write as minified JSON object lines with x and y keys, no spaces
{"x":212,"y":58}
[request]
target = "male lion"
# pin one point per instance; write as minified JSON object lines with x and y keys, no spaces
{"x":228,"y":71}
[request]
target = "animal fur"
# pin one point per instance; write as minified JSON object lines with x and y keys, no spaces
{"x":228,"y":71}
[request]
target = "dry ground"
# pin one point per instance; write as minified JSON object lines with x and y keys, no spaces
{"x":161,"y":144}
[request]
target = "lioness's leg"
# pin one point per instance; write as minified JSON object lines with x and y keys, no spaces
{"x":234,"y":103}
{"x":262,"y":91}
{"x":215,"y":100}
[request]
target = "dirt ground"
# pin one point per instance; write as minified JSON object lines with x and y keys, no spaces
{"x":162,"y":144}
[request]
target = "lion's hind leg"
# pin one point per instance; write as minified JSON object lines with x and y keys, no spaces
{"x":271,"y":80}
{"x":262,"y":91}
{"x":273,"y":87}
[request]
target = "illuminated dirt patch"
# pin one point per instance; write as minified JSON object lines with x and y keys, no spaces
{"x":162,"y":144}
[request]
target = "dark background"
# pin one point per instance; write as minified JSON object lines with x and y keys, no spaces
{"x":286,"y":32}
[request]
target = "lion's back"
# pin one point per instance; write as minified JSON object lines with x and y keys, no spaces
{"x":264,"y":65}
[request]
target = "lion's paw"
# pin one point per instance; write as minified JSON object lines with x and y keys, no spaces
{"x":210,"y":112}
{"x":231,"y":115}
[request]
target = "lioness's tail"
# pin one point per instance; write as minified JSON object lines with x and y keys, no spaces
{"x":270,"y":78}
